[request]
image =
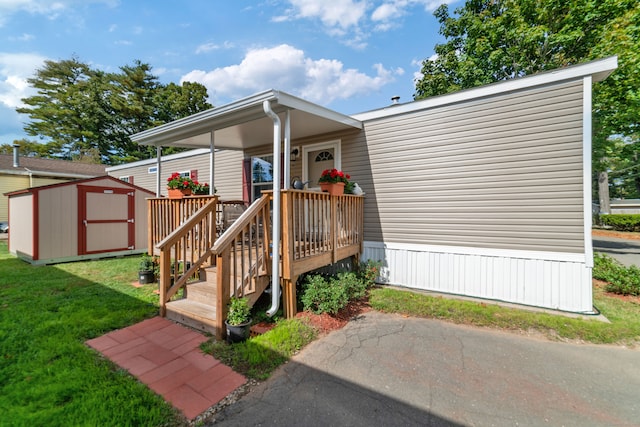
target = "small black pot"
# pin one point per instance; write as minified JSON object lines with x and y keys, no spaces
{"x":238,"y":333}
{"x":146,"y":276}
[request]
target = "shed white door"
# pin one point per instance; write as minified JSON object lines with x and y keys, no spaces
{"x":106,"y":218}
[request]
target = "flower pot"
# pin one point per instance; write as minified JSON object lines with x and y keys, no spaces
{"x":146,"y":276}
{"x":177,"y":193}
{"x":333,"y":188}
{"x":238,"y":333}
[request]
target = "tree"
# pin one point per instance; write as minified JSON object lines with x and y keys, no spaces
{"x":60,"y":109}
{"x":492,"y":40}
{"x":89,"y":114}
{"x":27,"y":148}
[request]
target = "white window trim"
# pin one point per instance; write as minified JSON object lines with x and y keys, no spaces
{"x":337,"y":155}
{"x":125,"y":178}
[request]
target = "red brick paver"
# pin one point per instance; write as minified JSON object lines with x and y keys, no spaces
{"x":166,"y":357}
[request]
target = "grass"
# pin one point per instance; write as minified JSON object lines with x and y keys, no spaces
{"x":49,"y":377}
{"x":623,"y":329}
{"x":259,"y":356}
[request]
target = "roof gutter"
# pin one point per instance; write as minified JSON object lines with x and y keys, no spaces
{"x":275,"y":229}
{"x":29,"y":172}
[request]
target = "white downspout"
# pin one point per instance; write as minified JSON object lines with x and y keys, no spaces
{"x":275,"y":229}
{"x":158,"y":171}
{"x":212,"y":163}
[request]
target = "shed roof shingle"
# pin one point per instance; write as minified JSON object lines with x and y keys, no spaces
{"x":49,"y":166}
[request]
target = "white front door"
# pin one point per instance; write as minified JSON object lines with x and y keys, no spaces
{"x":317,"y":158}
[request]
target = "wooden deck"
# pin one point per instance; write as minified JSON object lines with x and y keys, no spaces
{"x":317,"y":230}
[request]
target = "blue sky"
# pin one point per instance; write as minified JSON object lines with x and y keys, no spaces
{"x":348,"y":55}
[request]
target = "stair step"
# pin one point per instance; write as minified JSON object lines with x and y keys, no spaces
{"x":193,"y":313}
{"x":202,"y":291}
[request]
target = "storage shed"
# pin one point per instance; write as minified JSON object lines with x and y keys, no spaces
{"x":85,"y":219}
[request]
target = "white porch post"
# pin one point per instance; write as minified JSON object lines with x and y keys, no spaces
{"x":212,"y":161}
{"x":287,"y":150}
{"x":158,"y":171}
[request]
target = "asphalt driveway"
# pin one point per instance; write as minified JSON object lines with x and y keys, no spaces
{"x":388,"y":370}
{"x":624,"y":250}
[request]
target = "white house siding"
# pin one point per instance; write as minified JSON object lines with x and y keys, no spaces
{"x":481,"y":198}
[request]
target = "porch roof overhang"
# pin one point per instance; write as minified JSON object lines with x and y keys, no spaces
{"x":243,"y":123}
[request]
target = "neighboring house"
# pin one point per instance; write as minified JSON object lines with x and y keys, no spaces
{"x":625,"y":206}
{"x":194,"y":163}
{"x":17,"y":173}
{"x":484,"y":192}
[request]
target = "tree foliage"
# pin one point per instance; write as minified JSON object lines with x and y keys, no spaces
{"x":83,"y":113}
{"x":493,"y":40}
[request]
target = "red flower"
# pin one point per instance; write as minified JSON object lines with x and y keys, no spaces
{"x":333,"y":176}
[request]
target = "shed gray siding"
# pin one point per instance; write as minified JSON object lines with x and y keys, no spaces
{"x":499,"y":172}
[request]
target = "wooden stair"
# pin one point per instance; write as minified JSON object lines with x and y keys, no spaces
{"x":198,"y":308}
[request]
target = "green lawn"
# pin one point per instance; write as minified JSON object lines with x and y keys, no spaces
{"x":47,"y":374}
{"x":49,"y":377}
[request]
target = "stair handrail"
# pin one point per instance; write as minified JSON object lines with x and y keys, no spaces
{"x":166,"y":245}
{"x":243,"y":220}
{"x":233,"y":263}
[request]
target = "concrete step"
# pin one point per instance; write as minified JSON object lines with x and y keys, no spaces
{"x":192,"y":313}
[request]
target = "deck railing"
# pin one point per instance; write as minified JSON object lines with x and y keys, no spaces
{"x":317,"y":230}
{"x":165,"y":215}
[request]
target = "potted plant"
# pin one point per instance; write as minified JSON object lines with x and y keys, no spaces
{"x":179,"y":186}
{"x":146,"y":270}
{"x":333,"y":181}
{"x":201,"y":189}
{"x":238,"y":320}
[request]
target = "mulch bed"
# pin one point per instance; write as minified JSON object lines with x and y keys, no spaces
{"x":326,"y":323}
{"x":616,"y":234}
{"x":600,"y":285}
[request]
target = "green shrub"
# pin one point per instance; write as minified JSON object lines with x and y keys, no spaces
{"x":620,"y":279}
{"x":355,"y":287}
{"x":622,"y":222}
{"x":324,"y":296}
{"x":369,"y":271}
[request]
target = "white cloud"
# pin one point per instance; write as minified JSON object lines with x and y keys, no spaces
{"x":287,"y":68}
{"x":334,"y":14}
{"x":23,"y":38}
{"x":208,"y":47}
{"x":346,"y":18}
{"x":15,"y":69}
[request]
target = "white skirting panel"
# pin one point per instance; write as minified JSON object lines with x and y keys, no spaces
{"x":541,"y":279}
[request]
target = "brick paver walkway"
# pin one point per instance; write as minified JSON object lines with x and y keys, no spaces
{"x":167,"y":358}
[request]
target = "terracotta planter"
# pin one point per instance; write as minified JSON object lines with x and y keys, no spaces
{"x":177,"y":193}
{"x":335,"y":188}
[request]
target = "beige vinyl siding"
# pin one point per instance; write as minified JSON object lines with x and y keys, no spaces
{"x":500,"y":172}
{"x":228,"y":172}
